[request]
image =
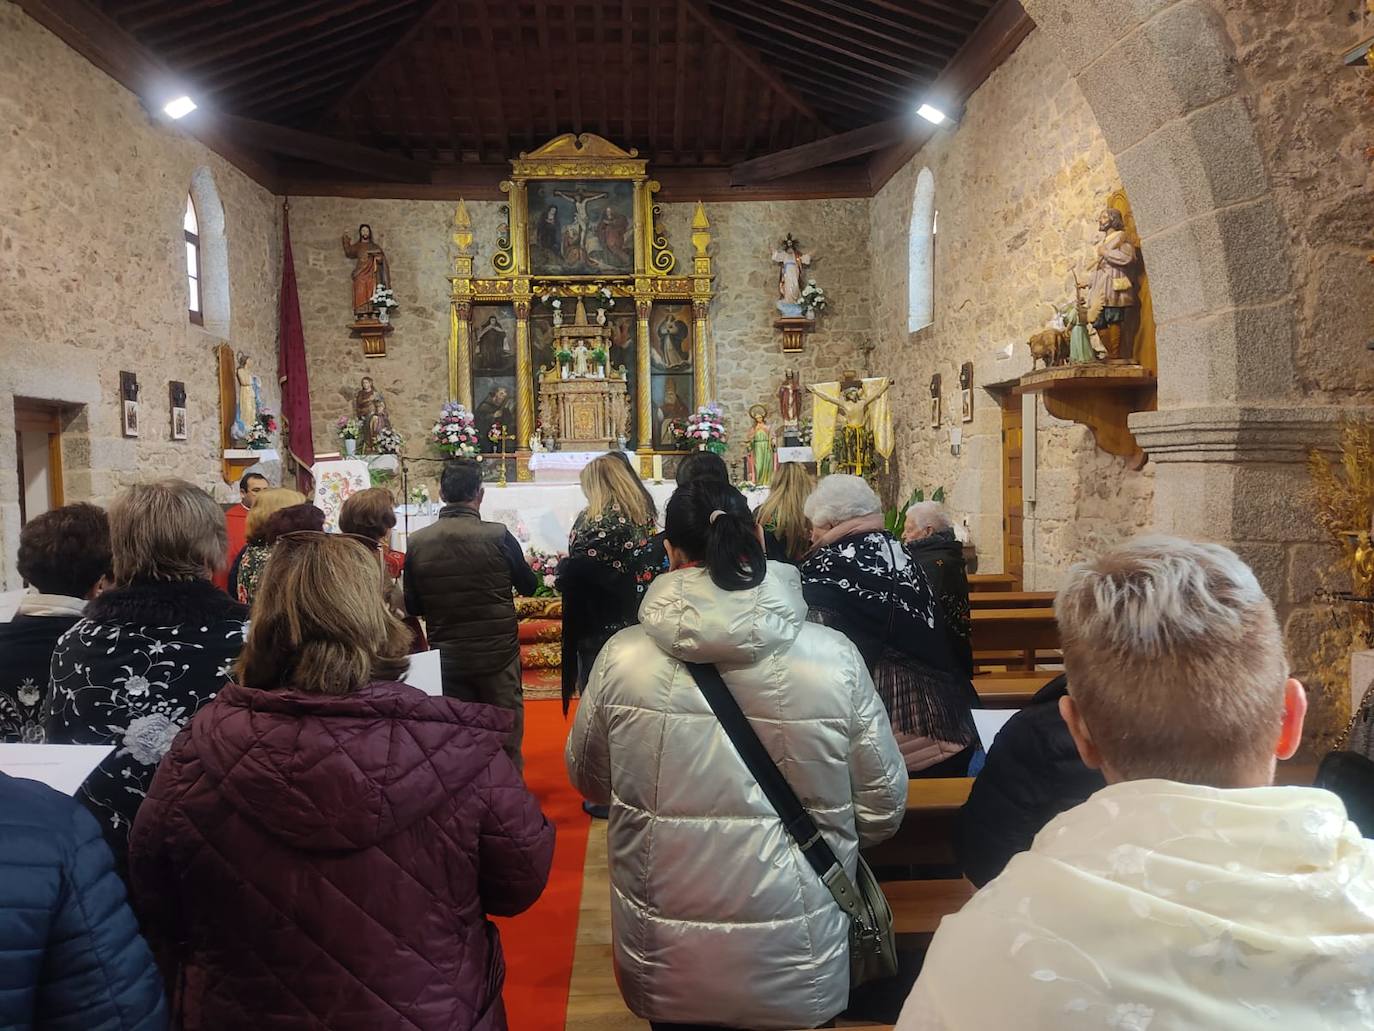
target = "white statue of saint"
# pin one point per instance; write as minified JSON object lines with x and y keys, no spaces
{"x":789,"y":255}
{"x":582,"y":357}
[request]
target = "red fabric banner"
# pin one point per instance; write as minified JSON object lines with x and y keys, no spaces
{"x":295,"y":382}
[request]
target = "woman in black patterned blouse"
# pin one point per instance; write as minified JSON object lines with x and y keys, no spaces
{"x":610,"y":563}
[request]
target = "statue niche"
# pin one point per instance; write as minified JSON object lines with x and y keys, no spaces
{"x":583,"y":404}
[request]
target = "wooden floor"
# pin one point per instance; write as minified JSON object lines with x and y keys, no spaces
{"x":594,"y":1002}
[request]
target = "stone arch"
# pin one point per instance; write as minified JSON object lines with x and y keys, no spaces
{"x":1235,"y":422}
{"x":921,"y":254}
{"x":214,"y":252}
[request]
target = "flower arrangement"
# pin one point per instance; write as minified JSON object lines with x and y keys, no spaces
{"x":259,"y":438}
{"x":813,"y":298}
{"x":382,"y":298}
{"x":556,"y":304}
{"x":599,"y":356}
{"x":389,"y":442}
{"x":419,"y":495}
{"x":348,"y":428}
{"x":804,"y":431}
{"x":455,"y":432}
{"x":545,"y":566}
{"x":676,"y":432}
{"x":563,"y":356}
{"x":497,"y":435}
{"x":706,"y":428}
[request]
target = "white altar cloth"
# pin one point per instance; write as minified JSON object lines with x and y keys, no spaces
{"x":561,"y":466}
{"x":540,"y":515}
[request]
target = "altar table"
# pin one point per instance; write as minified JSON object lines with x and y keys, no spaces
{"x":561,"y":466}
{"x":540,"y":515}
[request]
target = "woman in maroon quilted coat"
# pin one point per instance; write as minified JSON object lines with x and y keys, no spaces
{"x":320,"y":849}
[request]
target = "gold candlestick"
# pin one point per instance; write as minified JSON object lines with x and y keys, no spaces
{"x":501,"y":451}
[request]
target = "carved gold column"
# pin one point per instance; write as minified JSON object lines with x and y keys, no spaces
{"x":524,"y":381}
{"x":460,"y":353}
{"x":702,"y":275}
{"x":644,"y":419}
{"x":460,"y":315}
{"x":703,"y":381}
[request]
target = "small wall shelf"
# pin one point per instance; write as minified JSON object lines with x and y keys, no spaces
{"x":1099,"y":396}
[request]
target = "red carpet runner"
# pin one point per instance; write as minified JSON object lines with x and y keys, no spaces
{"x":539,"y":943}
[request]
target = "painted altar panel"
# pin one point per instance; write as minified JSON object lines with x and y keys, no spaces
{"x":493,"y":370}
{"x":580,"y":227}
{"x":672,"y":346}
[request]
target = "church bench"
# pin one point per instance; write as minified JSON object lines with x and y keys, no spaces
{"x":1014,"y":630}
{"x":1011,"y":600}
{"x":937,"y":795}
{"x":1011,"y":691}
{"x":993,"y":582}
{"x":919,"y":906}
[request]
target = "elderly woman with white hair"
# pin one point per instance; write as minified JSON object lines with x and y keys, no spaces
{"x":858,"y":579}
{"x":930,"y":540}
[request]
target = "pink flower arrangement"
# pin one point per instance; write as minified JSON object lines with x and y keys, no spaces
{"x":455,"y":432}
{"x":706,"y":428}
{"x":545,"y":567}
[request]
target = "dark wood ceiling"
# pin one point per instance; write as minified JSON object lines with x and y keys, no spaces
{"x":692,"y":84}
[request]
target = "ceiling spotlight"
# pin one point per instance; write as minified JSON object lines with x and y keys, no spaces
{"x":933,"y":115}
{"x":179,"y":108}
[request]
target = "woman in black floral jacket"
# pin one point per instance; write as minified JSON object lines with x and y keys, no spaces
{"x":149,"y":653}
{"x":612,"y":558}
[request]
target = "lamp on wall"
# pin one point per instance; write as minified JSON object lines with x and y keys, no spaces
{"x":931,"y":114}
{"x":178,"y":107}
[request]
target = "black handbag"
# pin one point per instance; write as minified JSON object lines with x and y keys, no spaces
{"x":872,"y":943}
{"x":1350,"y":775}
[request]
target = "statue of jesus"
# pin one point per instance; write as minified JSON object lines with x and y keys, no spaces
{"x":855,"y":453}
{"x":369,"y":268}
{"x":582,"y":356}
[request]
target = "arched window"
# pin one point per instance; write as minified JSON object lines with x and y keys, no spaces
{"x":921,"y":254}
{"x":207,"y":256}
{"x":191,"y":226}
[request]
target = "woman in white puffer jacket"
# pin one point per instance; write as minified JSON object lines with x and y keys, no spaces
{"x":717,"y":917}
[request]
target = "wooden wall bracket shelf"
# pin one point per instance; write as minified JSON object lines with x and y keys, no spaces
{"x":373,"y":332}
{"x":794,"y":330}
{"x":1099,"y":396}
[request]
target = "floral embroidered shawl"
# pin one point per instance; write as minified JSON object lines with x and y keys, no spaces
{"x":1159,"y":906}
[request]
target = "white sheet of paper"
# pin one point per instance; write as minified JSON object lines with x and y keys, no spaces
{"x":989,"y":722}
{"x":424,"y":673}
{"x":9,"y":603}
{"x":61,"y":767}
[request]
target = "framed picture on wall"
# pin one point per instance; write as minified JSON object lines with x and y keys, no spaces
{"x":128,"y":394}
{"x":493,"y":340}
{"x":672,"y":403}
{"x":935,"y":412}
{"x":494,"y":404}
{"x":966,"y":392}
{"x":670,"y":338}
{"x":176,"y":395}
{"x":581,"y":227}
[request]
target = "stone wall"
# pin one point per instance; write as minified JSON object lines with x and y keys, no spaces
{"x":94,"y":274}
{"x":417,"y":238}
{"x":1018,"y":185}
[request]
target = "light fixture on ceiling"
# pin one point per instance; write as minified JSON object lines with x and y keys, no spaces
{"x":179,"y":108}
{"x":933,"y":115}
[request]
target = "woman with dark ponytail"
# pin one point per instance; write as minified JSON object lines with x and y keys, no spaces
{"x":712,"y":898}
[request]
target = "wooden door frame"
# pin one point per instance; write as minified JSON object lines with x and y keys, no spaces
{"x":31,"y":416}
{"x":1009,"y":403}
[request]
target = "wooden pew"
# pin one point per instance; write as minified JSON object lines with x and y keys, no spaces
{"x":993,"y":582}
{"x":1012,"y":691}
{"x":936,"y":795}
{"x":919,"y":906}
{"x":1012,"y":600}
{"x":1014,"y":630}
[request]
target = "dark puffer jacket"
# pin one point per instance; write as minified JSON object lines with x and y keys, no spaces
{"x":328,"y":862}
{"x":72,"y":958}
{"x":458,"y":576}
{"x":1032,"y":774}
{"x":942,"y":557}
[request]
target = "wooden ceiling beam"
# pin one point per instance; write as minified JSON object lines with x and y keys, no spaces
{"x":627,"y":92}
{"x":850,"y":24}
{"x":254,"y":46}
{"x":324,"y":150}
{"x":159,"y":12}
{"x":284,"y":85}
{"x":100,"y":40}
{"x":942,"y":33}
{"x":821,"y":42}
{"x":750,"y":56}
{"x":680,"y":80}
{"x":320,"y":49}
{"x":1000,"y":33}
{"x":236,"y":24}
{"x":380,"y":62}
{"x":821,"y":152}
{"x":911,"y":9}
{"x":491,"y":74}
{"x":599,"y":47}
{"x":846,"y":72}
{"x":546,"y":62}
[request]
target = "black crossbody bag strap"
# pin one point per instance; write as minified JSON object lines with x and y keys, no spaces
{"x":797,"y":821}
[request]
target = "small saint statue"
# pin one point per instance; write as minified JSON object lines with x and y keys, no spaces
{"x":369,"y":269}
{"x":248,"y":398}
{"x":581,"y":360}
{"x":759,"y":460}
{"x":369,"y":406}
{"x":789,"y":255}
{"x":1112,"y":299}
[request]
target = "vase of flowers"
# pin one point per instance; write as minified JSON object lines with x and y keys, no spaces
{"x":706,"y":429}
{"x":349,"y":430}
{"x":813,"y":299}
{"x":389,"y":442}
{"x":383,"y":300}
{"x":419,"y":497}
{"x":455,"y":432}
{"x":544,"y":565}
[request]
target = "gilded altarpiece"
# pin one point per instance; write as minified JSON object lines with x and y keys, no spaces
{"x":580,"y":217}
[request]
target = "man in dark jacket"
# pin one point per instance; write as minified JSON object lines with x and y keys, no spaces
{"x":1032,"y":774}
{"x":459,"y":574}
{"x":73,"y":957}
{"x":64,"y":555}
